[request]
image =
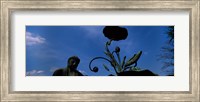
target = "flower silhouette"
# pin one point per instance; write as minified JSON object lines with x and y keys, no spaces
{"x":115,"y":33}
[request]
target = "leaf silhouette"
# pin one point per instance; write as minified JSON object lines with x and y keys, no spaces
{"x":133,"y":59}
{"x":106,"y":67}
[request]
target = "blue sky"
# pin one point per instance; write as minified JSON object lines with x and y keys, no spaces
{"x":49,"y":47}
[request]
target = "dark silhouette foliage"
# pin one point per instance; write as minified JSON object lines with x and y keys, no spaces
{"x":167,"y":52}
{"x":170,"y":33}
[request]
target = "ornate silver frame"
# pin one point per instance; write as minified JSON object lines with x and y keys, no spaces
{"x":8,"y":6}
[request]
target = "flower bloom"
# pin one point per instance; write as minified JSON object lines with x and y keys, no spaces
{"x":117,"y":49}
{"x":115,"y":33}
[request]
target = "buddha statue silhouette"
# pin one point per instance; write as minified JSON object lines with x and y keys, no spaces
{"x":71,"y":69}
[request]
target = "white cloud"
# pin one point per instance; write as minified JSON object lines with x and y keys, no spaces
{"x":35,"y":73}
{"x":32,"y":39}
{"x":83,"y":72}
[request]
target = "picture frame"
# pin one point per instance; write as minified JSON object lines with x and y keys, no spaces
{"x":8,"y":6}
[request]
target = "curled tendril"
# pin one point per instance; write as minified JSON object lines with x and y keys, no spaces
{"x":96,"y":69}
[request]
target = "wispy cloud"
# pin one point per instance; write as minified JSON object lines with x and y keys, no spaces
{"x":35,"y":73}
{"x":92,"y":31}
{"x":33,"y":39}
{"x":83,"y":72}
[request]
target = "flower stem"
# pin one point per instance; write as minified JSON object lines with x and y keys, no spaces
{"x":112,"y":58}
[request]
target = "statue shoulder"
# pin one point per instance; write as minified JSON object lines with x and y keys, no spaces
{"x":58,"y":72}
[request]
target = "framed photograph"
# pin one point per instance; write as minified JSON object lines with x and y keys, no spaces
{"x":61,"y":50}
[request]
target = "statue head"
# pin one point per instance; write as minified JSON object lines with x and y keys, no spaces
{"x":73,"y":62}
